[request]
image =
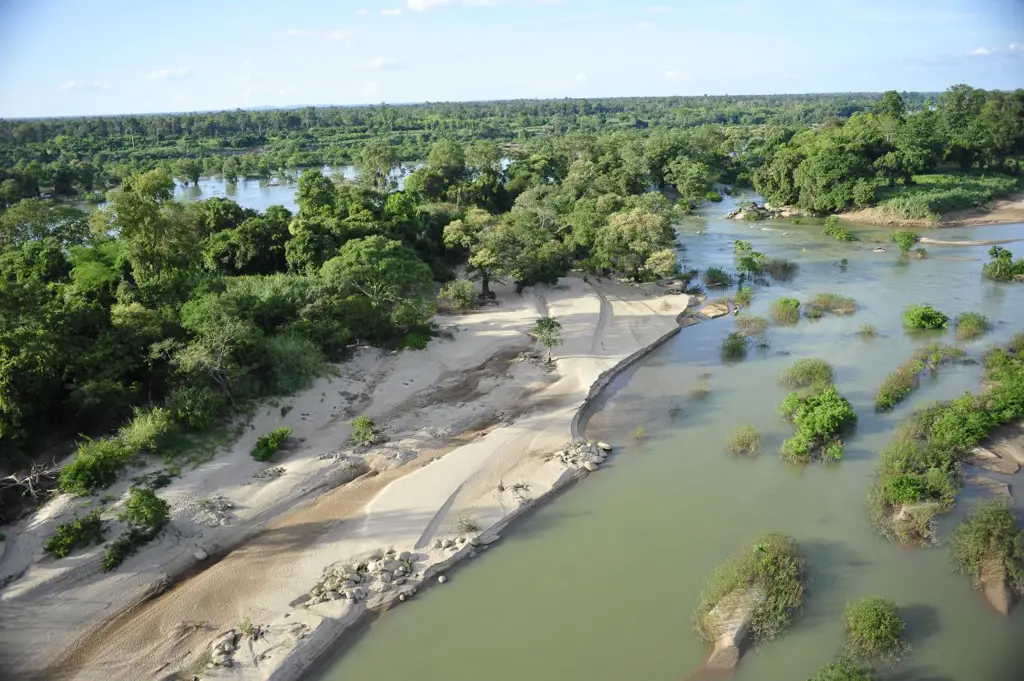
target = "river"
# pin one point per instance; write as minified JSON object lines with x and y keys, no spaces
{"x":601,"y":583}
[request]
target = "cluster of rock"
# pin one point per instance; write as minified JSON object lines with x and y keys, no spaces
{"x":223,"y":649}
{"x":730,"y":621}
{"x":586,"y":455}
{"x":215,"y":511}
{"x":752,"y":211}
{"x":382,"y":572}
{"x":269,"y":473}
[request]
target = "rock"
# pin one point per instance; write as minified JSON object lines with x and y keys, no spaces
{"x":398,"y":581}
{"x":385,"y":577}
{"x":740,"y":216}
{"x":715,"y":310}
{"x":990,"y":486}
{"x":442,"y":579}
{"x":402,"y":597}
{"x":991,"y":461}
{"x":346,"y":585}
{"x":200,"y":554}
{"x":878,"y":250}
{"x":333,"y":595}
{"x":590,"y":466}
{"x":404,"y":556}
{"x":390,"y":565}
{"x":353,"y":577}
{"x":449,"y":543}
{"x":1007,"y":442}
{"x":604,"y":446}
{"x":596,"y":458}
{"x":994,"y":584}
{"x":438,"y":544}
{"x":730,"y":621}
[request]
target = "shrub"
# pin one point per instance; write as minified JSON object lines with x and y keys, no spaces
{"x":195,"y":406}
{"x":904,"y":379}
{"x":970,"y":325}
{"x":751,"y":326}
{"x":834,"y":303}
{"x":95,"y":465}
{"x":364,"y":430}
{"x":924,"y":317}
{"x":745,"y":441}
{"x":458,"y":295}
{"x":867,"y":331}
{"x":819,"y":419}
{"x":147,"y":430}
{"x":146,"y":514}
{"x":639,"y":434}
{"x":744,"y":296}
{"x":740,"y":246}
{"x":833,"y":230}
{"x":919,"y":253}
{"x":734,"y":346}
{"x":843,"y":668}
{"x":874,"y":629}
{"x":905,"y":240}
{"x":79,"y":532}
{"x":701,"y":389}
{"x":806,"y":373}
{"x":270,"y":443}
{"x":716,"y":277}
{"x":1002,"y":266}
{"x":785,"y":311}
{"x":780,"y":269}
{"x":414,"y":340}
{"x":752,"y":263}
{"x":990,"y":533}
{"x":773,"y":563}
{"x":713,"y":196}
{"x":288,"y":363}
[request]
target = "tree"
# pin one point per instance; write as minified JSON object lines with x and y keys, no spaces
{"x":376,"y":159}
{"x":188,"y":170}
{"x":692,"y":180}
{"x":629,"y":241}
{"x":892,"y":105}
{"x":469,"y":233}
{"x":548,"y":332}
{"x":35,"y":219}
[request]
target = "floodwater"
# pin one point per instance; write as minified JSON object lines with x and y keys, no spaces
{"x":601,"y":583}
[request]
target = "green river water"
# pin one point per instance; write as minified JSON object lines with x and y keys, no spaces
{"x":600,"y":584}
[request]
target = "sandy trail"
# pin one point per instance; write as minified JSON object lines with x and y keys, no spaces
{"x":450,"y":421}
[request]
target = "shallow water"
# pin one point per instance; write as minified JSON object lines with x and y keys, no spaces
{"x":600,"y":584}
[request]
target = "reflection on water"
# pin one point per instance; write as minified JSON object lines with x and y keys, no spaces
{"x":600,"y":584}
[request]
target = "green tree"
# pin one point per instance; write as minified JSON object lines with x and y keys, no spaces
{"x":549,"y":332}
{"x":36,"y":219}
{"x":376,"y":159}
{"x":629,"y":241}
{"x":470,"y":234}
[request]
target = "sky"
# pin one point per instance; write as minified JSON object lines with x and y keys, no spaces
{"x":80,"y":57}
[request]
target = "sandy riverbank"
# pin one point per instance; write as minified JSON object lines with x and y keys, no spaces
{"x":1003,"y":211}
{"x":472,"y":424}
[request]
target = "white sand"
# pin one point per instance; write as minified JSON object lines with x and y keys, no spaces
{"x":497,"y":414}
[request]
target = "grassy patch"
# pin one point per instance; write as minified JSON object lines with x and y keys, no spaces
{"x":364,"y":430}
{"x":780,"y":269}
{"x":745,"y":441}
{"x":970,"y":325}
{"x":785,"y":311}
{"x":734,"y":346}
{"x":903,"y":380}
{"x":834,"y":303}
{"x":874,"y":629}
{"x":932,"y":195}
{"x":867,"y":331}
{"x":270,"y":443}
{"x":806,"y":373}
{"x":820,"y":418}
{"x":716,"y":277}
{"x":79,"y":532}
{"x":990,"y":533}
{"x":701,"y":388}
{"x":773,"y":563}
{"x":751,"y":326}
{"x":639,"y":434}
{"x":924,"y":317}
{"x":844,"y":668}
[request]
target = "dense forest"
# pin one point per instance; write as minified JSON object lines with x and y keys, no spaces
{"x":148,"y":319}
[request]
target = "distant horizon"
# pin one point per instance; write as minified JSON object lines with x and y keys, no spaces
{"x":60,"y":58}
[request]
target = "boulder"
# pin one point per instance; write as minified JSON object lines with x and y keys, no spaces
{"x":995,"y":585}
{"x":604,"y":446}
{"x":1007,"y":442}
{"x":729,"y":621}
{"x":442,"y":579}
{"x":385,"y":577}
{"x":990,"y":486}
{"x":590,"y":466}
{"x":715,"y":310}
{"x":200,"y":554}
{"x":990,"y":461}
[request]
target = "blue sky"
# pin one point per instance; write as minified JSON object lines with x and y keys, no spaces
{"x":66,"y":57}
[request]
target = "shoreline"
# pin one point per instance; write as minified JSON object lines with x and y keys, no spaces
{"x":442,"y":486}
{"x":1007,"y":210}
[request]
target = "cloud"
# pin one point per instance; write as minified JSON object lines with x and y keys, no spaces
{"x":339,"y":34}
{"x":659,"y":9}
{"x":424,"y":5}
{"x":984,"y":50}
{"x":391,"y":12}
{"x":1015,"y":47}
{"x":168,"y":73}
{"x":362,"y":12}
{"x":328,"y":33}
{"x":382,"y":64}
{"x":299,"y":33}
{"x":580,"y":78}
{"x":644,"y":25}
{"x":673,"y":74}
{"x":84,"y":85}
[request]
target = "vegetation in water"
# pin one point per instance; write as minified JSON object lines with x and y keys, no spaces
{"x":716,"y":277}
{"x":834,"y":231}
{"x":734,"y":346}
{"x":924,"y":317}
{"x":744,"y":296}
{"x":740,"y":246}
{"x":970,"y":325}
{"x":905,"y":240}
{"x":745,"y":441}
{"x":1002,"y":267}
{"x":774,"y":564}
{"x":867,"y":331}
{"x":834,"y":303}
{"x":270,"y":443}
{"x":903,"y":380}
{"x":811,"y":373}
{"x":990,"y":537}
{"x":919,"y":473}
{"x":751,"y":326}
{"x":820,"y":419}
{"x":780,"y":269}
{"x":79,"y":532}
{"x":844,"y":668}
{"x":930,"y":195}
{"x":785,"y":311}
{"x":701,"y":388}
{"x":364,"y":430}
{"x":874,"y":630}
{"x":639,"y":434}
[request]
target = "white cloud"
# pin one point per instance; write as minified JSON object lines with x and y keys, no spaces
{"x":644,"y":25}
{"x":673,"y":74}
{"x":391,"y":12}
{"x":381,"y":64}
{"x":580,"y":78}
{"x":660,"y":9}
{"x":362,"y":12}
{"x":1015,"y":47}
{"x":329,"y":34}
{"x":983,"y":50}
{"x":339,"y":34}
{"x":168,"y":73}
{"x":84,"y":85}
{"x":299,"y":33}
{"x":423,"y":5}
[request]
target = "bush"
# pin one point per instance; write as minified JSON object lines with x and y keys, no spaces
{"x":806,"y":373}
{"x":712,"y":196}
{"x":734,"y":346}
{"x":148,"y":430}
{"x":414,"y":340}
{"x":919,"y":253}
{"x":744,"y":296}
{"x":716,"y":277}
{"x":79,"y":532}
{"x":780,"y":269}
{"x":364,"y":431}
{"x":288,"y":363}
{"x":1002,"y":266}
{"x":867,"y":331}
{"x":905,"y":240}
{"x":458,"y":295}
{"x":745,"y":441}
{"x":785,"y":311}
{"x":95,"y":465}
{"x":196,"y":406}
{"x":812,"y":311}
{"x":268,"y":444}
{"x":740,"y":246}
{"x":970,"y":325}
{"x":833,"y":230}
{"x":904,"y":379}
{"x":639,"y":434}
{"x":843,"y":668}
{"x":126,"y":545}
{"x":752,"y":263}
{"x":751,"y":326}
{"x":834,"y":303}
{"x":874,"y":629}
{"x":924,"y":317}
{"x":775,"y":564}
{"x":146,"y":514}
{"x":990,"y":533}
{"x":819,"y":419}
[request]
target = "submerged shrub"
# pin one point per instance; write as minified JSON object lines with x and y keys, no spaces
{"x":1002,"y":266}
{"x":905,"y":378}
{"x":874,"y":629}
{"x":740,"y":246}
{"x":820,"y":418}
{"x":990,"y":534}
{"x":751,"y":326}
{"x":971,"y":325}
{"x":639,"y":434}
{"x":745,"y":441}
{"x":734,"y":346}
{"x":807,"y":372}
{"x":843,"y":668}
{"x":905,"y":240}
{"x":269,"y":444}
{"x":785,"y":311}
{"x":772,"y":563}
{"x":780,"y":269}
{"x":716,"y":277}
{"x":924,"y":317}
{"x":834,"y":303}
{"x":867,"y":331}
{"x":78,"y":532}
{"x":744,"y":296}
{"x":833,"y":230}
